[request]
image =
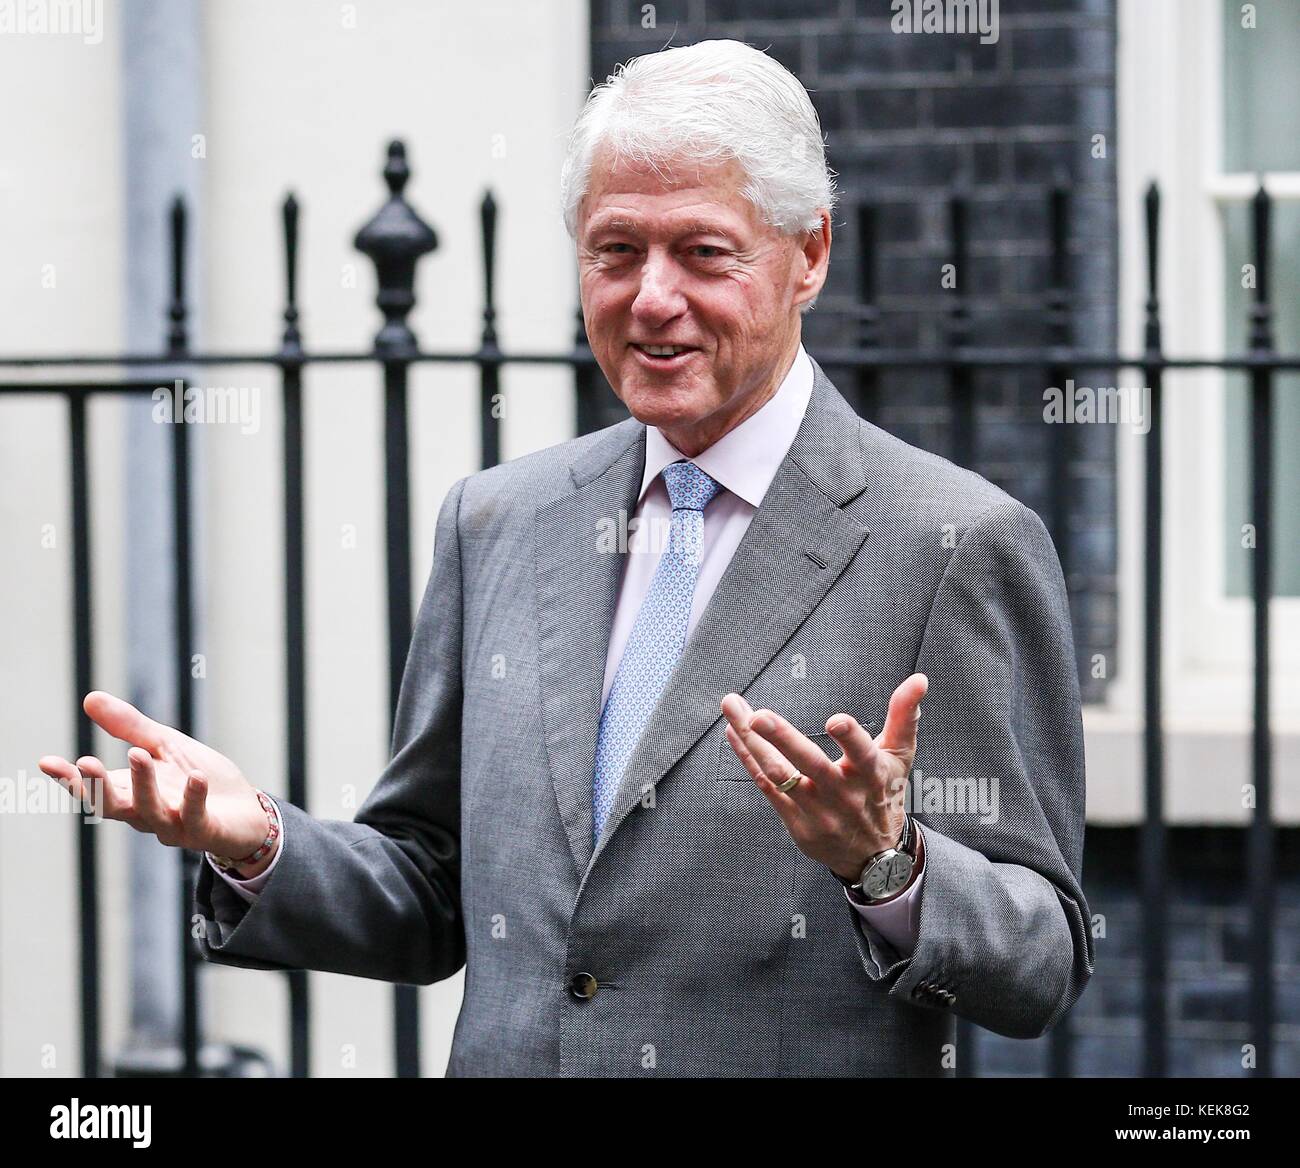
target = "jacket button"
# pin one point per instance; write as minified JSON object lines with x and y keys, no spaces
{"x":582,"y":986}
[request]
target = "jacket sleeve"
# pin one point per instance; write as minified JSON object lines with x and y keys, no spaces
{"x":1003,"y":936}
{"x":378,"y":897}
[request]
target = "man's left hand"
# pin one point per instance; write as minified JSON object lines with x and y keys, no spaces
{"x":842,"y":812}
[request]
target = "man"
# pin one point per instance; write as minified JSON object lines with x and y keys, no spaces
{"x":650,"y":757}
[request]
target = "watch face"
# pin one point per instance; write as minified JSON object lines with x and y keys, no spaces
{"x":887,"y":875}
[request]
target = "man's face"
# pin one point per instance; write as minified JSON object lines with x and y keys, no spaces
{"x":681,"y":258}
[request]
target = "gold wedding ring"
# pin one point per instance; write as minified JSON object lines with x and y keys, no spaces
{"x":789,"y":784}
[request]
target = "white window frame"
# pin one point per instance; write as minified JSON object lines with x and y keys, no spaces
{"x":1169,"y":86}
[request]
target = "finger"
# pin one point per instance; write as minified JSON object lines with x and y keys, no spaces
{"x":776,"y":767}
{"x":899,"y":734}
{"x":769,"y":760}
{"x":63,"y":772}
{"x":148,"y":805}
{"x":745,"y":755}
{"x":91,"y":767}
{"x":801,"y":752}
{"x":111,"y":796}
{"x":784,"y":802}
{"x":744,"y":741}
{"x":194,"y":805}
{"x":738,"y":711}
{"x":765,"y":782}
{"x":856,"y":742}
{"x":123,"y":721}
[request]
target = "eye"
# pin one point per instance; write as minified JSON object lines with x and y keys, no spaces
{"x":717,"y":251}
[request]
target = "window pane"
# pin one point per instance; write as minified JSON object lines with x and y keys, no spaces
{"x":1261,"y":87}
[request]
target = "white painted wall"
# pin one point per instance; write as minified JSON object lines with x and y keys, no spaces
{"x":482,"y":95}
{"x":60,"y":221}
{"x":1169,"y":80}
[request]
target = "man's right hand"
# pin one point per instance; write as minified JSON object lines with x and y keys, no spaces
{"x":185,"y":793}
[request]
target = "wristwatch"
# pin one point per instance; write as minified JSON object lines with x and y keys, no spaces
{"x":886,"y":873}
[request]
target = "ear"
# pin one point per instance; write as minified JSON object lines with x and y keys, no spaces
{"x":815,"y":249}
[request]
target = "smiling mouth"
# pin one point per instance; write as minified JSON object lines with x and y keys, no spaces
{"x":663,"y":356}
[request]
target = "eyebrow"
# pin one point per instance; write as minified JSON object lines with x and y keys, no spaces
{"x":692,"y":227}
{"x":705,"y":227}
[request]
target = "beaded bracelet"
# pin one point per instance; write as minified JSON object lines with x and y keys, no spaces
{"x":272,"y":834}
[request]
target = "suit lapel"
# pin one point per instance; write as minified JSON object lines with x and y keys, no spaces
{"x":796,"y":546}
{"x":578,"y":571}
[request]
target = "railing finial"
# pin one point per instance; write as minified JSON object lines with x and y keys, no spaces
{"x":177,"y":310}
{"x":394,"y":239}
{"x":1152,"y":207}
{"x":291,"y":341}
{"x":1261,"y":311}
{"x":488,"y":219}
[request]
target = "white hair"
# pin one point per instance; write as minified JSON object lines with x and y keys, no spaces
{"x":709,"y":103}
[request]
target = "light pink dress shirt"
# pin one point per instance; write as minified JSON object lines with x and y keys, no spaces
{"x":744,"y":461}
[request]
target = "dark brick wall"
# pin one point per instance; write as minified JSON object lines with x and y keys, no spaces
{"x":1208,"y":1002}
{"x":906,"y":118}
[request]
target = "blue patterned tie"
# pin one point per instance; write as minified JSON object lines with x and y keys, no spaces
{"x":657,"y":638}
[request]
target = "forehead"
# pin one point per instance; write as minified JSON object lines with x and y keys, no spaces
{"x":668,"y":195}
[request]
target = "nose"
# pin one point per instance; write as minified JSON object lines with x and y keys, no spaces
{"x":659,"y":299}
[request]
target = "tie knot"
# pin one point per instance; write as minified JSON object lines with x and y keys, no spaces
{"x":689,"y":488}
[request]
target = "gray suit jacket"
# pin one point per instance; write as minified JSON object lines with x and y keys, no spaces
{"x":717,"y":947}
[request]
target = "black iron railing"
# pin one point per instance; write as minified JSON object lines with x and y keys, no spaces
{"x":395,"y":239}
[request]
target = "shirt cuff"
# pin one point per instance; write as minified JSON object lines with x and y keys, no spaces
{"x":897,"y":920}
{"x":251,"y":888}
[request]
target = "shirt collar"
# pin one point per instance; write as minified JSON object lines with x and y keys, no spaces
{"x":744,"y":460}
